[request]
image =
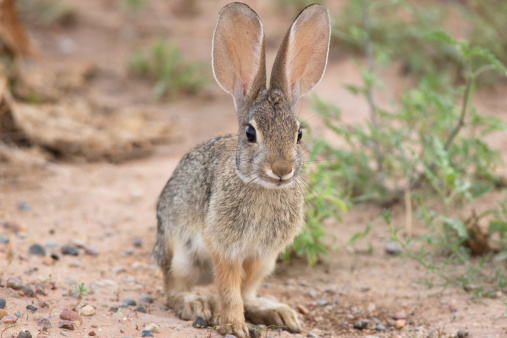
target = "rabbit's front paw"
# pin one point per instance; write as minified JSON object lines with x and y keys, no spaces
{"x":268,"y":312}
{"x":196,"y":306}
{"x":240,"y":330}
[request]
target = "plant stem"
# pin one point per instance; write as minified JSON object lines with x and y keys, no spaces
{"x":369,"y":92}
{"x":416,"y":183}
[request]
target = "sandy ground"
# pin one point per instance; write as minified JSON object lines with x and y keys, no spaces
{"x":109,"y":207}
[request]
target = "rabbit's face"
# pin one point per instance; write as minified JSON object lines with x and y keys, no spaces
{"x":269,"y":139}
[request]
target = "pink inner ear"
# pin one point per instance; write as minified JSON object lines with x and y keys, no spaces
{"x":307,"y":50}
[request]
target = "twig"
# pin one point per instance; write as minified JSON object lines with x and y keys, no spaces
{"x":369,"y":92}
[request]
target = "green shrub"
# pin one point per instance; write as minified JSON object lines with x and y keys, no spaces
{"x":164,"y":64}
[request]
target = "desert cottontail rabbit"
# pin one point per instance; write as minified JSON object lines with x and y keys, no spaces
{"x":236,"y":201}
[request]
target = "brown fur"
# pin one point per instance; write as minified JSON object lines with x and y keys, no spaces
{"x":231,"y":206}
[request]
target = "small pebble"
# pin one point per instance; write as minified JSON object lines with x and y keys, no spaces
{"x":3,"y":302}
{"x":79,"y":243}
{"x":113,"y":309}
{"x":51,"y":244}
{"x":31,"y":308}
{"x":462,"y":334}
{"x":37,"y":249}
{"x":64,"y":333}
{"x":28,"y":291}
{"x":92,"y":333}
{"x":393,"y":248}
{"x":3,"y":313}
{"x":9,"y":319}
{"x":380,"y":327}
{"x":140,"y":309}
{"x":147,"y":333}
{"x":90,"y":250}
{"x":55,"y":256}
{"x":25,"y":334}
{"x":18,"y":314}
{"x":45,"y":323}
{"x":154,"y":327}
{"x":14,"y":283}
{"x":69,"y":315}
{"x":127,"y":252}
{"x":66,"y":324}
{"x":129,"y":302}
{"x":361,"y":324}
{"x":145,"y":298}
{"x":199,"y":323}
{"x":40,"y":290}
{"x":400,"y":324}
{"x":88,"y":310}
{"x":311,"y":335}
{"x":4,"y":239}
{"x":137,"y":242}
{"x":322,"y":302}
{"x":70,"y":249}
{"x":303,"y":310}
{"x":118,"y":269}
{"x":23,"y":206}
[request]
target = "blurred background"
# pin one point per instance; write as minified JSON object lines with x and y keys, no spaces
{"x":406,"y":150}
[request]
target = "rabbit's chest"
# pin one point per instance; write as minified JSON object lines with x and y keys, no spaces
{"x":255,"y":224}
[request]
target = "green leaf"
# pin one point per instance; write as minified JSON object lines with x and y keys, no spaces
{"x":440,"y":36}
{"x":458,"y":226}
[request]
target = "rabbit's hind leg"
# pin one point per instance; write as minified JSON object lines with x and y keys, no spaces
{"x":187,"y":270}
{"x":268,"y":312}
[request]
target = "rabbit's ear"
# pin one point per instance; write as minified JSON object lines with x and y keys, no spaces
{"x":239,"y":63}
{"x":302,"y":57}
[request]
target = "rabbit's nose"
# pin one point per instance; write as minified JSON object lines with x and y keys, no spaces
{"x":282,"y":169}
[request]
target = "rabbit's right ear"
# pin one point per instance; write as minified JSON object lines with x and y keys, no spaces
{"x":239,"y":63}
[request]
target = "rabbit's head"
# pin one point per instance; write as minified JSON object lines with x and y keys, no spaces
{"x":269,"y":135}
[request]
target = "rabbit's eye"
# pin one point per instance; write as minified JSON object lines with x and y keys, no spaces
{"x":300,"y":134}
{"x":251,"y":134}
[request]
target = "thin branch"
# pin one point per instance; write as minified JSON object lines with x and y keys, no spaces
{"x":369,"y":92}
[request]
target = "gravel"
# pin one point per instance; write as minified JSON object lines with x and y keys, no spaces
{"x":137,"y":242}
{"x":14,"y":283}
{"x":145,"y":298}
{"x":380,"y":327}
{"x":25,"y":334}
{"x":70,"y":249}
{"x":393,"y":248}
{"x":322,"y":302}
{"x":361,"y":324}
{"x":147,"y":333}
{"x":140,"y":309}
{"x":31,"y":308}
{"x":3,"y":302}
{"x":28,"y":291}
{"x":129,"y":302}
{"x":51,"y":244}
{"x":4,"y":239}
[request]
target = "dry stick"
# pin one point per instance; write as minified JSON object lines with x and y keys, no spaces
{"x":369,"y":91}
{"x":420,"y":178}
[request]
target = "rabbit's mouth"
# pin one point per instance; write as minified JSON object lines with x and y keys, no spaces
{"x":272,"y":180}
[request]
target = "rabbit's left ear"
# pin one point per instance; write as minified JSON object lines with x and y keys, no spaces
{"x":302,"y":57}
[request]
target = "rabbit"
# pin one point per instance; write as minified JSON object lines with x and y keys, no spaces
{"x":235,"y":202}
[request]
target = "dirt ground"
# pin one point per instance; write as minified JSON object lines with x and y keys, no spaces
{"x":111,"y":207}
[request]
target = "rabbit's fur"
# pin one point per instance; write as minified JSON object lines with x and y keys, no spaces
{"x":233,"y":204}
